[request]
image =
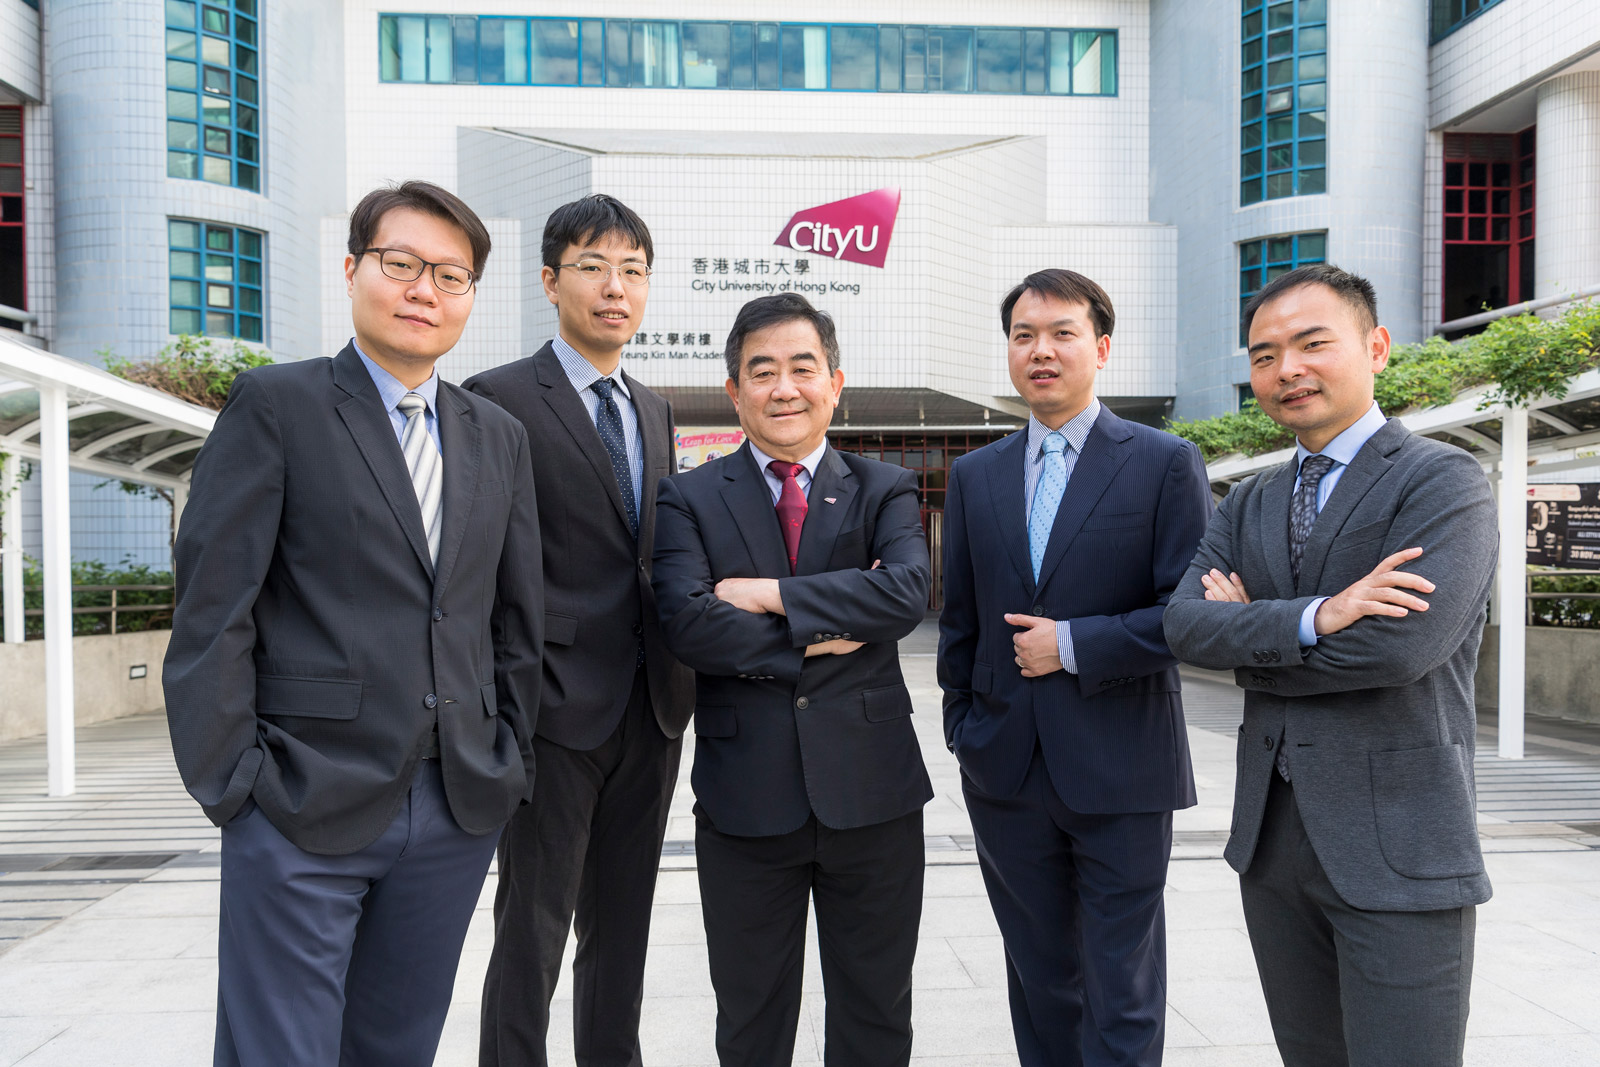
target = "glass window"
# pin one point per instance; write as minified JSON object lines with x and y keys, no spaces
{"x":949,"y":60}
{"x":553,"y":46}
{"x":1263,"y":260}
{"x":767,"y":56}
{"x":1286,"y":52}
{"x":216,"y":90}
{"x":1000,"y":66}
{"x":618,"y":65}
{"x":215,"y":280}
{"x":1034,"y":62}
{"x":1094,"y":64}
{"x":708,"y":54}
{"x":743,"y":69}
{"x":466,"y":49}
{"x":1061,"y":61}
{"x":593,"y":68}
{"x":655,"y":54}
{"x":805,"y":57}
{"x":888,"y":59}
{"x":853,"y":62}
{"x":916,"y":59}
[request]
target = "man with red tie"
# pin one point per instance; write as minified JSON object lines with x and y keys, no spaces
{"x":785,"y":573}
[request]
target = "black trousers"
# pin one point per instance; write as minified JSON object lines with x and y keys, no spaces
{"x":866,"y":884}
{"x":585,"y":852}
{"x":344,"y":959}
{"x":1079,"y":902}
{"x":1345,"y":987}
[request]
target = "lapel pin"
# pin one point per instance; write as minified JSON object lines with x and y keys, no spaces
{"x":831,"y":499}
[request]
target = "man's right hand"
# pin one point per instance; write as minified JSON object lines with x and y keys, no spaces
{"x":1379,"y":593}
{"x":837,"y":647}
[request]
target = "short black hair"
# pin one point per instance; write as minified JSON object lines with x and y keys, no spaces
{"x":585,"y":221}
{"x":1066,"y":285}
{"x":1351,"y":288}
{"x":427,"y":198}
{"x":765,"y":311}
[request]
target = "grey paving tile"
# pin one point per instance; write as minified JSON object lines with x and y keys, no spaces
{"x":19,"y":1037}
{"x":100,"y":986}
{"x":91,"y":940}
{"x":156,"y":900}
{"x":1577,"y":1050}
{"x":155,"y":1039}
{"x":1498,"y":1012}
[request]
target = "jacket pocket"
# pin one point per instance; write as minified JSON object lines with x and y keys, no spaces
{"x":715,"y":720}
{"x":890,"y":702}
{"x":982,"y":678}
{"x":1423,"y":805}
{"x":491,"y":707}
{"x":309,"y":698}
{"x":560,"y":629}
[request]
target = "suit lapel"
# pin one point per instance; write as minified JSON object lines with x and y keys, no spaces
{"x":1007,"y":499}
{"x":568,"y":409}
{"x":1105,"y":450}
{"x":823,"y":520}
{"x":754,"y":516}
{"x":461,"y":439}
{"x":368,"y":423}
{"x":1368,"y":467}
{"x":1275,"y":528}
{"x":658,"y":461}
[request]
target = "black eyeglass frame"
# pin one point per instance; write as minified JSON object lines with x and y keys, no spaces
{"x":433,"y":268}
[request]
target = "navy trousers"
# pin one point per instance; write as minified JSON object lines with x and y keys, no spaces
{"x":347,"y":960}
{"x":1078,"y":899}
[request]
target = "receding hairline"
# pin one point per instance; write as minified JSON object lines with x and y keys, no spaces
{"x":1363,"y":316}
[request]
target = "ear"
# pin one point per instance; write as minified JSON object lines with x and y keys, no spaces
{"x":732,"y":388}
{"x":349,"y":275}
{"x":1378,"y":344}
{"x":838,"y":384}
{"x":547,"y":275}
{"x":1102,"y":350}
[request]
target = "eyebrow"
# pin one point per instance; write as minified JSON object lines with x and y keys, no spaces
{"x":590,"y":253}
{"x":1068,"y":321}
{"x":1300,"y":336}
{"x":762,"y":359}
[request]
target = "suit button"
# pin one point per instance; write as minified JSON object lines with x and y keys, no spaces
{"x":802,"y":703}
{"x":1267,"y":741}
{"x":1038,"y":609}
{"x":1275,"y":656}
{"x":847,"y":637}
{"x":430,"y":701}
{"x":818,"y":637}
{"x":1256,"y":656}
{"x":638,"y":628}
{"x":437,"y":614}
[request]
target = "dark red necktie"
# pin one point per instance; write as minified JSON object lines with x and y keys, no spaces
{"x":791,"y":507}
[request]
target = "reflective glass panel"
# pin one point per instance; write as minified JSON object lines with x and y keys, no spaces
{"x":1000,"y":66}
{"x":708,"y":55}
{"x":853,"y":58}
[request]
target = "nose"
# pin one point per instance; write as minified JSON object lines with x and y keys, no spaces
{"x":1291,"y":366}
{"x":785,"y":388}
{"x":422,"y":289}
{"x":613,"y":283}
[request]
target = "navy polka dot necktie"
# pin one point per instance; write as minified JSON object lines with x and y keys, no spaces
{"x":609,"y":422}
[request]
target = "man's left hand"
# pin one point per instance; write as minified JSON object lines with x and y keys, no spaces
{"x":1227,"y":587}
{"x":1036,"y":648}
{"x":759,"y":596}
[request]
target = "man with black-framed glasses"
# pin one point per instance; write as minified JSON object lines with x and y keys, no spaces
{"x":616,"y":702}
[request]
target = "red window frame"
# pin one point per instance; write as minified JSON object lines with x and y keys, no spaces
{"x":1489,"y":200}
{"x":11,"y":203}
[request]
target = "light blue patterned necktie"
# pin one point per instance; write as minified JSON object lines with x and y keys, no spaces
{"x":1047,"y":497}
{"x":426,"y":467}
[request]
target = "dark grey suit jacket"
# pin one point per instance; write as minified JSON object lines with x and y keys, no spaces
{"x":314,"y":646}
{"x":779,"y":736}
{"x":1379,"y":718}
{"x":598,"y":600}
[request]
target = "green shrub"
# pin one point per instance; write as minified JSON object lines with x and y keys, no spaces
{"x":97,"y":573}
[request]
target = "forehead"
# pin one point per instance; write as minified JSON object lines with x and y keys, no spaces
{"x":429,"y":236}
{"x":1304,"y":306}
{"x":610,"y":245}
{"x":783,"y":340}
{"x":1035,"y":308}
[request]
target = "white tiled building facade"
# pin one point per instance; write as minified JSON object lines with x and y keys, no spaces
{"x":1138,"y":173}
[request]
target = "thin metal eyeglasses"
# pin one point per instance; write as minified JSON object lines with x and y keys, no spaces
{"x":402,"y":266}
{"x":598,"y":270}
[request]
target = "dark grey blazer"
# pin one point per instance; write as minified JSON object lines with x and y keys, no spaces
{"x":314,"y":646}
{"x":598,"y":600}
{"x":1379,"y":718}
{"x":779,"y":736}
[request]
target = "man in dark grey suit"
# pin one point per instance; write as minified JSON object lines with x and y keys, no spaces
{"x":1354,"y":831}
{"x":353,"y":676}
{"x":615,"y":701}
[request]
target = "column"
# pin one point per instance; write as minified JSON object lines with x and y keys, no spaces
{"x":1512,"y":581}
{"x":55,"y":478}
{"x":1567,"y":248}
{"x":11,"y":547}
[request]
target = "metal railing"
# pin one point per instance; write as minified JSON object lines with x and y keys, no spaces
{"x":1484,"y":318}
{"x":113,"y":608}
{"x":17,"y":314}
{"x":1561,"y":572}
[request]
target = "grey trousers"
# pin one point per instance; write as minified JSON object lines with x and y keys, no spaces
{"x":1345,"y":987}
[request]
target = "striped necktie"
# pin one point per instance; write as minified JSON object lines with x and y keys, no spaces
{"x":425,"y":465}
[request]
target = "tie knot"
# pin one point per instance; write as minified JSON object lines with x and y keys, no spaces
{"x":1054,"y":441}
{"x":603,"y":387}
{"x":1314,"y":467}
{"x":412,"y":404}
{"x":785,"y":470}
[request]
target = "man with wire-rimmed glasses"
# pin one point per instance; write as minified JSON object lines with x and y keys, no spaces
{"x":616,"y":703}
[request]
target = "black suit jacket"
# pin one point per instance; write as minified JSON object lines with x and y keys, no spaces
{"x":1113,"y":734}
{"x":314,"y":647}
{"x":598,"y":600}
{"x":779,"y":736}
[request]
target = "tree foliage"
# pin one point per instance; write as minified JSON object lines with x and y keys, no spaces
{"x":1524,"y":357}
{"x":200,"y":370}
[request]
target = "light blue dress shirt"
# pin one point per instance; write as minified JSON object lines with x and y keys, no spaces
{"x":583,"y":374}
{"x":803,"y":479}
{"x":390,"y":391}
{"x":1342,"y":450}
{"x":1076,"y":431}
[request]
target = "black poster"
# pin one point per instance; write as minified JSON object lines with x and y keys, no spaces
{"x":1564,"y":525}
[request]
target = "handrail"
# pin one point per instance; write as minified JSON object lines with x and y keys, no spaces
{"x":1558,"y":572}
{"x":1483,"y":318}
{"x":113,"y":608}
{"x":17,"y":314}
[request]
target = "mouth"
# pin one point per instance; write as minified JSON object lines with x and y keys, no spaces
{"x":1043,"y":375}
{"x":1295,"y":396}
{"x":612,"y":316}
{"x":416,"y":320}
{"x":785,"y":414}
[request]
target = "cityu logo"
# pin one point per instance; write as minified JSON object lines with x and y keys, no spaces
{"x":857,"y":228}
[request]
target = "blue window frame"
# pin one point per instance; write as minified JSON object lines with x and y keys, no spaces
{"x":698,"y":54}
{"x":216,"y":279}
{"x":1448,"y":16}
{"x":1263,"y":260}
{"x":214,"y":92}
{"x":1283,"y":111}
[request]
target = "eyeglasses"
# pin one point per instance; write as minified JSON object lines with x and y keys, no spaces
{"x":598,"y":270}
{"x":402,"y":266}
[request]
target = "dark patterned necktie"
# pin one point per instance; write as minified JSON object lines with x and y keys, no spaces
{"x":791,"y":507}
{"x":609,"y":423}
{"x":1303,"y":509}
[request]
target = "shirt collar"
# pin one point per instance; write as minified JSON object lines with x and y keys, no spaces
{"x":581,"y":372}
{"x":390,"y":390}
{"x":809,"y":463}
{"x":1342,"y":449}
{"x":1076,"y":430}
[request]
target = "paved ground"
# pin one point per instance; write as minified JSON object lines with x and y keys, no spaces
{"x":108,"y":914}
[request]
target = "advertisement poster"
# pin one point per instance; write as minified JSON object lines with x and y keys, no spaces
{"x":1564,"y":525}
{"x":701,"y":444}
